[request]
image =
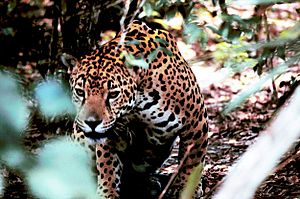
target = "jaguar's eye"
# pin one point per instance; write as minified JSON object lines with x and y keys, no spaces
{"x":79,"y":92}
{"x":113,"y":94}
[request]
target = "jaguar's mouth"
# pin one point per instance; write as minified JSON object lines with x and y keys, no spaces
{"x":97,"y":134}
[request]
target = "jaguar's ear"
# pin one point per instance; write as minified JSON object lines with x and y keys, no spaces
{"x":69,"y":61}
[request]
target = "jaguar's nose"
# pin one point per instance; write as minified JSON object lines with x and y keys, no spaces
{"x":93,"y":124}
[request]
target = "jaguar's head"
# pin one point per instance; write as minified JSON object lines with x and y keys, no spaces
{"x":102,"y":92}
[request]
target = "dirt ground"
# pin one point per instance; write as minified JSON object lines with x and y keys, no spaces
{"x":230,"y":135}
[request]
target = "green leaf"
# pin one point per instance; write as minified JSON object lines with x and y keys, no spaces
{"x":131,"y":61}
{"x":138,"y":62}
{"x":133,"y":42}
{"x":152,"y":55}
{"x":11,"y":6}
{"x":214,"y":29}
{"x":286,"y":37}
{"x":192,"y":33}
{"x":225,"y":30}
{"x":233,"y":18}
{"x":53,"y":99}
{"x":63,"y":171}
{"x":8,"y":31}
{"x":259,"y":66}
{"x":281,"y":52}
{"x":267,"y":53}
{"x":192,"y":183}
{"x":147,"y":8}
{"x":161,"y":41}
{"x":171,"y":14}
{"x":167,"y":51}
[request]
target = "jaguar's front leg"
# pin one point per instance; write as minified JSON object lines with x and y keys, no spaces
{"x":109,"y":169}
{"x":107,"y":162}
{"x":192,"y":150}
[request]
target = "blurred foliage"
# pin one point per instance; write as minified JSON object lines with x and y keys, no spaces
{"x":62,"y":168}
{"x":63,"y":171}
{"x":131,"y":61}
{"x":240,"y":42}
{"x":168,"y":10}
{"x":287,"y":43}
{"x":13,"y":120}
{"x":236,"y":61}
{"x":193,"y":33}
{"x":53,"y":99}
{"x":256,"y":86}
{"x":234,"y":27}
{"x":13,"y":115}
{"x":34,"y":33}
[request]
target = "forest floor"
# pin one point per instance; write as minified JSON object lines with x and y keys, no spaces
{"x":230,"y":136}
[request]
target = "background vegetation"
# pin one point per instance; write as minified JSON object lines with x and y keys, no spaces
{"x":232,"y":35}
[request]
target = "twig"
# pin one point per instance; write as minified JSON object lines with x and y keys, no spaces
{"x":122,"y":25}
{"x":286,"y":162}
{"x":113,"y":4}
{"x":137,"y":10}
{"x":122,"y":21}
{"x":211,"y":191}
{"x":176,"y":172}
{"x":270,"y":60}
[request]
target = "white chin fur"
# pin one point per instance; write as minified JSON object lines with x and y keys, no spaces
{"x":96,"y":141}
{"x":100,"y":129}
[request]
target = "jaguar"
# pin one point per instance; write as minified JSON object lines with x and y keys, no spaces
{"x":134,"y":96}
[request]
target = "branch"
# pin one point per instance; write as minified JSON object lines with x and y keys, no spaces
{"x":260,"y":159}
{"x":176,"y":171}
{"x":122,"y":25}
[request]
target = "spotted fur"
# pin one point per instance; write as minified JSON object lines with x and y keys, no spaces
{"x":131,"y":115}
